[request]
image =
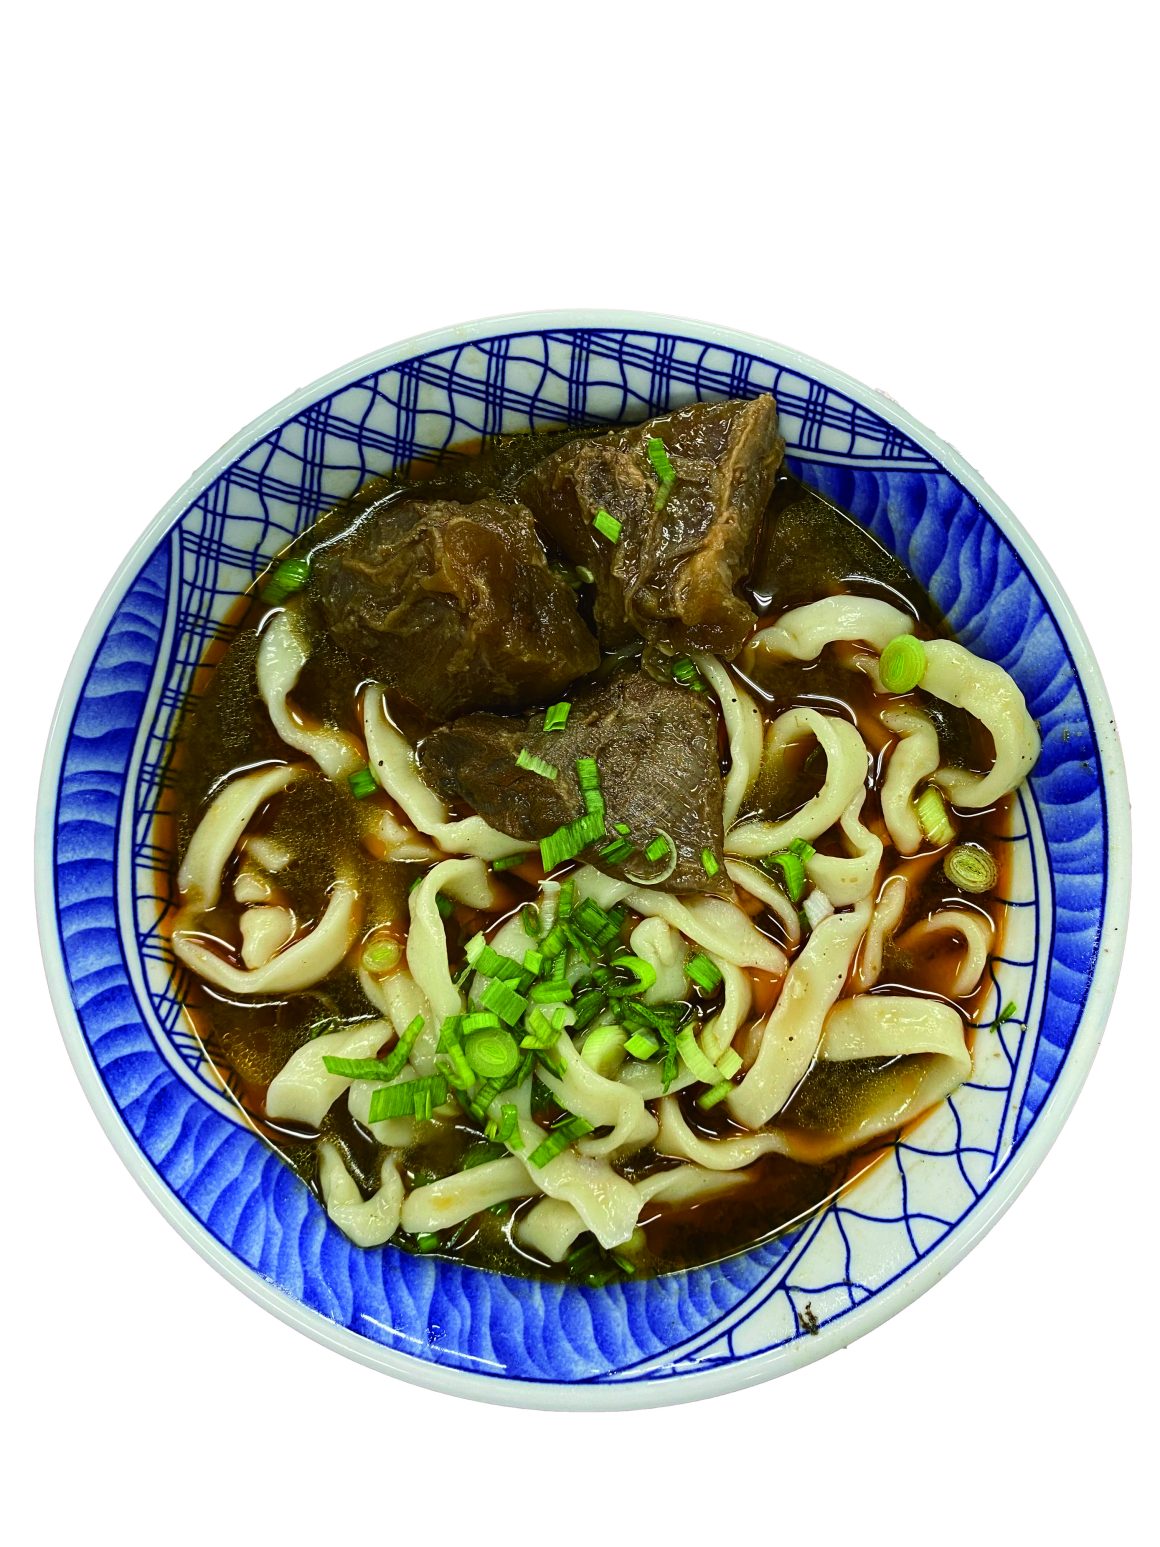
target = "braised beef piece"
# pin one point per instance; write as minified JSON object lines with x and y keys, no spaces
{"x":671,"y":574}
{"x":453,"y":606}
{"x":656,"y":749}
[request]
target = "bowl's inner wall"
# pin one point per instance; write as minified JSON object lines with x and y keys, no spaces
{"x":112,"y":880}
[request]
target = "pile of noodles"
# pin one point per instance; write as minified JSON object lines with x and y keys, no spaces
{"x":823,"y":1010}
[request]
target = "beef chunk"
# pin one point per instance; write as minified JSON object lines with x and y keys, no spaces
{"x":454,"y":606}
{"x":655,"y":745}
{"x":672,"y":574}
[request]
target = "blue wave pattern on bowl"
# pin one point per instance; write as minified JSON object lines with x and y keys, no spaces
{"x":109,"y":871}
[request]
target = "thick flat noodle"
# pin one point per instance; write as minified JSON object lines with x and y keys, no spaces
{"x":847,"y":880}
{"x":913,"y":758}
{"x":217,"y":835}
{"x":794,"y":1026}
{"x":985,"y":690}
{"x":733,"y":1154}
{"x":803,"y":633}
{"x":974,"y":929}
{"x":656,"y":749}
{"x":672,"y":574}
{"x":453,"y":606}
{"x":311,"y":958}
{"x":282,"y":653}
{"x":603,"y":1103}
{"x":369,"y":1222}
{"x":775,"y":898}
{"x":396,"y":768}
{"x":304,"y":1090}
{"x":888,"y":911}
{"x":452,"y":1199}
{"x":552,"y":1227}
{"x":467,"y":881}
{"x":265,"y":929}
{"x":743,"y":726}
{"x":721,"y":928}
{"x":847,"y":761}
{"x":659,"y":944}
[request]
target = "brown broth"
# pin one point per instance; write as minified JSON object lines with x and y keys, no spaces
{"x":810,"y":549}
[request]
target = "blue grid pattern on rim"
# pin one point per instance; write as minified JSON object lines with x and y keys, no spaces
{"x":115,"y":763}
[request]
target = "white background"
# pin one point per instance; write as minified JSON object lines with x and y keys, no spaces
{"x":214,"y":204}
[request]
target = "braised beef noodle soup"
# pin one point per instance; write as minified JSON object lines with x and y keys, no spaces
{"x":588,"y":851}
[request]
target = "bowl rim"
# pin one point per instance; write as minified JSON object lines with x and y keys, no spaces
{"x":1015,"y":1175}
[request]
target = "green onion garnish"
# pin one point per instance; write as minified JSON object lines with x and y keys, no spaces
{"x":381,"y":956}
{"x":530,"y":918}
{"x":694,"y":1059}
{"x":444,"y":905}
{"x":970,"y":867}
{"x":713,"y":1096}
{"x":641,"y":1045}
{"x":410,"y":1098}
{"x":729,"y":1063}
{"x":709,"y":863}
{"x":553,"y":991}
{"x":804,"y":851}
{"x":644,"y":974}
{"x":616,"y":852}
{"x":704,"y":972}
{"x":289,"y":576}
{"x":362,"y":783}
{"x":490,"y":963}
{"x":535,"y":764}
{"x":492,"y":1053}
{"x":570,"y":840}
{"x":603,"y":1050}
{"x":378,"y":1068}
{"x":608,"y":526}
{"x":533,"y":961}
{"x":556,"y":717}
{"x":1007,"y":1013}
{"x":477,"y":1020}
{"x":663,"y":468}
{"x":426,"y":1243}
{"x":793,"y":873}
{"x":902,"y":665}
{"x":510,"y":861}
{"x":933,"y":817}
{"x":509,"y":1127}
{"x":657,"y":848}
{"x":503,"y":999}
{"x":565,"y":1133}
{"x":622,"y":828}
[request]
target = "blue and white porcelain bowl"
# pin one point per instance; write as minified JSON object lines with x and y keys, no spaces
{"x":439,"y":1323}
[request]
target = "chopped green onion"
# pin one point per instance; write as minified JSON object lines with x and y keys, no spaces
{"x":970,"y":867}
{"x":804,"y":851}
{"x":608,"y":526}
{"x":503,"y":999}
{"x":326,"y":1024}
{"x":444,"y":905}
{"x":287,"y":578}
{"x":644,"y":974}
{"x":729,"y":1063}
{"x":533,"y":962}
{"x":656,"y":849}
{"x":381,"y":956}
{"x":530,"y":918}
{"x":490,"y":963}
{"x":585,"y":574}
{"x":359,"y":1068}
{"x":694,"y":1059}
{"x":478,"y":1020}
{"x":427,"y":1243}
{"x":816,"y":907}
{"x":902,"y":665}
{"x":712,"y":1097}
{"x":539,"y":1032}
{"x":553,"y":942}
{"x":552,"y":991}
{"x":603,"y":1050}
{"x":461,"y":1076}
{"x":641,"y":1045}
{"x":492,"y":1053}
{"x":617,"y":851}
{"x":566,"y":900}
{"x":793,"y":873}
{"x":666,"y":473}
{"x":510,"y":861}
{"x":535,"y":764}
{"x":570,"y":840}
{"x":416,"y":1098}
{"x":622,"y":828}
{"x":362,"y":783}
{"x":709,"y":863}
{"x":509,"y":1127}
{"x":933,"y":817}
{"x":684,"y":670}
{"x":1007,"y":1013}
{"x":600,"y":925}
{"x":556,"y":716}
{"x":587,"y":773}
{"x":565,"y":1133}
{"x":588,"y":1006}
{"x":704,"y":972}
{"x":481,"y":1154}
